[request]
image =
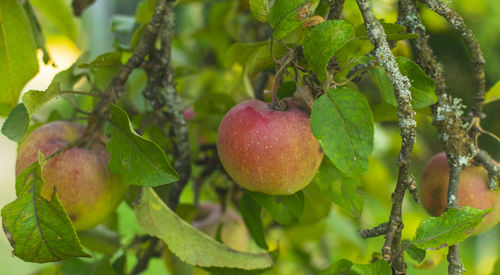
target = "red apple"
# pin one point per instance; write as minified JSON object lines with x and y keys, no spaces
{"x":268,"y":151}
{"x":86,"y":188}
{"x":473,"y":190}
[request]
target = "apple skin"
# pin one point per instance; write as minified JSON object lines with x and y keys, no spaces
{"x":473,"y":190}
{"x":268,"y":151}
{"x":88,"y":191}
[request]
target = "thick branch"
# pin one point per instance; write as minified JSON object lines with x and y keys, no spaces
{"x":175,"y":106}
{"x":407,"y":127}
{"x":475,"y":50}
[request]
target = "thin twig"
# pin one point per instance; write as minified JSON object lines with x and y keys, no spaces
{"x":407,"y":127}
{"x":470,"y":40}
{"x":336,"y":7}
{"x":491,"y":166}
{"x":378,"y":230}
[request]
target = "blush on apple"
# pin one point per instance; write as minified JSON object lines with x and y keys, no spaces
{"x":266,"y":150}
{"x":86,"y":188}
{"x":473,"y":190}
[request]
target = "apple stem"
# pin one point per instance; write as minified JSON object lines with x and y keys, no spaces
{"x":275,"y":102}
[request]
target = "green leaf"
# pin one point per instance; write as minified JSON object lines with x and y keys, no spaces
{"x":111,"y":59}
{"x":140,"y":161}
{"x":260,"y":10}
{"x":242,"y":52}
{"x":37,"y":31}
{"x":33,"y":100}
{"x":323,"y":41}
{"x":189,"y":244}
{"x":342,"y":266}
{"x":342,"y":121}
{"x":16,"y":124}
{"x":39,"y":230}
{"x":18,"y":61}
{"x":317,"y":204}
{"x":286,"y":210}
{"x":422,"y":87}
{"x":379,"y":267}
{"x":250,"y":211}
{"x":342,"y":190}
{"x":346,"y":267}
{"x":414,"y":252}
{"x":493,"y":93}
{"x":59,"y":12}
{"x":284,"y":17}
{"x":451,"y":228}
{"x":392,"y":31}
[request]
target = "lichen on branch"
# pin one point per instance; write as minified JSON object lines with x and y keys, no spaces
{"x":407,"y":125}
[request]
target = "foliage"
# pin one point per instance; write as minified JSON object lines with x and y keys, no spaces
{"x":149,"y":84}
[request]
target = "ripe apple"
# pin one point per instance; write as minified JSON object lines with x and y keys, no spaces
{"x":473,"y":190}
{"x":234,"y":232}
{"x":266,"y":150}
{"x":88,"y":191}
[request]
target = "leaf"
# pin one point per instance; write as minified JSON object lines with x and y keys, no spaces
{"x":422,"y":87}
{"x":33,"y":100}
{"x":140,"y":161}
{"x":111,"y":59}
{"x":260,"y":10}
{"x":392,"y":31}
{"x":18,"y":61}
{"x":60,"y":14}
{"x":379,"y":267}
{"x":323,"y":41}
{"x":286,"y":210}
{"x":342,"y":121}
{"x":189,"y":244}
{"x":37,"y":31}
{"x":285,"y":16}
{"x":414,"y":252}
{"x":493,"y":93}
{"x":242,"y":52}
{"x":342,"y":190}
{"x":451,"y":228}
{"x":346,"y":267}
{"x":250,"y":211}
{"x":317,"y":204}
{"x":16,"y":124}
{"x":342,"y":266}
{"x":39,"y":230}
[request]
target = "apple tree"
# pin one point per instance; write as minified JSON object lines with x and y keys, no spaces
{"x":251,"y":136}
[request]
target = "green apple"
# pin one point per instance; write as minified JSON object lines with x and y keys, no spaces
{"x":88,"y":191}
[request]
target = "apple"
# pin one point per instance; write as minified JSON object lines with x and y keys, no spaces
{"x":88,"y":191}
{"x":234,"y":232}
{"x":473,"y":190}
{"x":266,"y":150}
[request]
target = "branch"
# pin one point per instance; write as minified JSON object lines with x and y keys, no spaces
{"x":470,"y":40}
{"x":446,"y":113}
{"x":407,"y":127}
{"x":116,"y":88}
{"x":378,"y":230}
{"x":490,"y":165}
{"x":336,"y":7}
{"x":182,"y":150}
